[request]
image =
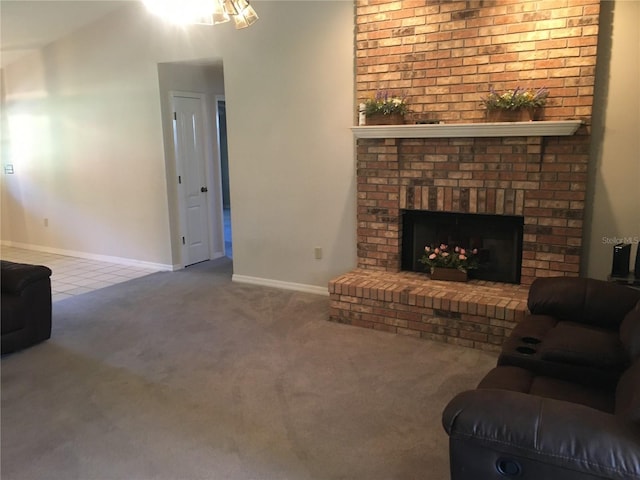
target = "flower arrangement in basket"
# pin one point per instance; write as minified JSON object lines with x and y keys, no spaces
{"x":385,"y":108}
{"x":459,"y":258}
{"x":385,"y":104}
{"x":516,"y":99}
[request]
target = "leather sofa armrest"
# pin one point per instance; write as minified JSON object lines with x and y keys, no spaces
{"x":545,"y":430}
{"x":14,"y":277}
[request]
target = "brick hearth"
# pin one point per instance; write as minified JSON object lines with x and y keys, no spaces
{"x":476,"y":314}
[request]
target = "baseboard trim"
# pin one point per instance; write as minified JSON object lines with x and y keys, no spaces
{"x":266,"y":282}
{"x":93,"y":256}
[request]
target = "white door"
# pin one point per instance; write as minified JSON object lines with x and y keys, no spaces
{"x":191,"y":159}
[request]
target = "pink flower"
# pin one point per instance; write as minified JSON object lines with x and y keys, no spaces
{"x":463,"y":252}
{"x":437,"y":250}
{"x":432,"y":256}
{"x":474,"y":251}
{"x":427,"y":249}
{"x":443,"y":246}
{"x":462,"y":257}
{"x":445,"y":254}
{"x":457,"y":249}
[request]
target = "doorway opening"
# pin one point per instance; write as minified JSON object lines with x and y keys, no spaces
{"x":224,"y":175}
{"x":195,"y":138}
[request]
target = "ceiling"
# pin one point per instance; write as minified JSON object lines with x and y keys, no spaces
{"x":27,"y":25}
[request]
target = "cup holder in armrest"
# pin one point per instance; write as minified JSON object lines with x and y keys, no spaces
{"x":531,"y":340}
{"x":526,"y":350}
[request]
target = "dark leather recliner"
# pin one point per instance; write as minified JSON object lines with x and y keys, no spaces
{"x":26,"y":305}
{"x":566,"y":405}
{"x":573,"y":331}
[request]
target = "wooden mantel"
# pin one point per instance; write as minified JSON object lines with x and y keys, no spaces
{"x":452,"y":130}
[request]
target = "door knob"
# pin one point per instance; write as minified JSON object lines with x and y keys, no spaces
{"x":204,"y":189}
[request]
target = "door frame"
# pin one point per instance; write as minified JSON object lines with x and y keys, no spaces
{"x":212,"y":174}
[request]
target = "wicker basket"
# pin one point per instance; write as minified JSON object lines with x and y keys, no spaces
{"x":522,"y":115}
{"x":381,"y":119}
{"x":448,"y":274}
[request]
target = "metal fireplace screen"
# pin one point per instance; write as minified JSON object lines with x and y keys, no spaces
{"x":498,"y":239}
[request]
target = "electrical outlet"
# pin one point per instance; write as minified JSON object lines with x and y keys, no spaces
{"x":317,"y":253}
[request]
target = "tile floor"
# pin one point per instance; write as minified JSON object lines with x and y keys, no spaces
{"x":72,"y":275}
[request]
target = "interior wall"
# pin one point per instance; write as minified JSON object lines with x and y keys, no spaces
{"x":83,"y":117}
{"x":97,"y":171}
{"x":290,"y":106}
{"x":614,"y":196}
{"x":4,"y":153}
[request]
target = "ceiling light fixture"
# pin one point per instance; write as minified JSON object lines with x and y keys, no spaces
{"x":204,"y":12}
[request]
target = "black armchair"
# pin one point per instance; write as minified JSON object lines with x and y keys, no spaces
{"x":26,"y":305}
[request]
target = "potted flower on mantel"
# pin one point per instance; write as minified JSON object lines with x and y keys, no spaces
{"x":517,"y":105}
{"x":385,"y":109}
{"x":447,"y":264}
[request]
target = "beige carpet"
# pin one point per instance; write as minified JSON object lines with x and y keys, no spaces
{"x":186,"y":375}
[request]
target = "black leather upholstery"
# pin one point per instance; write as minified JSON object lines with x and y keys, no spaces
{"x":26,"y":305}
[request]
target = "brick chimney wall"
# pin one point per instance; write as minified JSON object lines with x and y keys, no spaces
{"x":444,"y":55}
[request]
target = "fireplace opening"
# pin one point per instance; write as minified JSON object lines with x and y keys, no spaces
{"x":498,"y":239}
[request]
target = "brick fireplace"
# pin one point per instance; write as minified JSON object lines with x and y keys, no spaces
{"x":541,"y":178}
{"x":443,"y":55}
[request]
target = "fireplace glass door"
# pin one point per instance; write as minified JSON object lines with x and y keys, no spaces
{"x":498,"y":239}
